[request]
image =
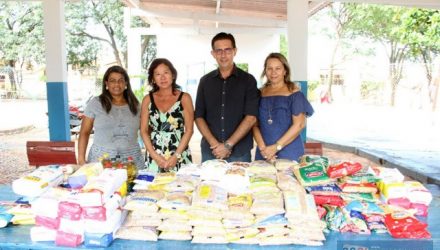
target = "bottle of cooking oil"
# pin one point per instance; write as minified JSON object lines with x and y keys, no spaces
{"x":131,"y":171}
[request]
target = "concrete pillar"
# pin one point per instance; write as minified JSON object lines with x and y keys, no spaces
{"x":134,"y":57}
{"x":56,"y":70}
{"x":297,"y":29}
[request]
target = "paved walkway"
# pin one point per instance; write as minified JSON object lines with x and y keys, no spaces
{"x":403,"y":138}
{"x":406,"y":139}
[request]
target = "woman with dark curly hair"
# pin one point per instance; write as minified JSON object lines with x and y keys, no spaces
{"x":167,"y":117}
{"x":115,"y":118}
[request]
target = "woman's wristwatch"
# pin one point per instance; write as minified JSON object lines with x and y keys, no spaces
{"x":279,"y":146}
{"x":179,"y":156}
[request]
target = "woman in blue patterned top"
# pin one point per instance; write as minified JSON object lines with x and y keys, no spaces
{"x":282,"y":115}
{"x":167,"y":118}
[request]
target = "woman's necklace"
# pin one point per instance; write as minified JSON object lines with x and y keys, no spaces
{"x":270,"y":121}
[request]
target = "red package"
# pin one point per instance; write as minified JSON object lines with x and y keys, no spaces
{"x":422,"y":234}
{"x":321,"y":211}
{"x":51,"y":223}
{"x":403,"y":222}
{"x":68,"y":239}
{"x":343,"y":169}
{"x":329,"y":200}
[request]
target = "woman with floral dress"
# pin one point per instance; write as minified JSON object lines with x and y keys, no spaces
{"x":167,"y":118}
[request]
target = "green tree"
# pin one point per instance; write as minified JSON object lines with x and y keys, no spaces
{"x":283,"y":45}
{"x":82,"y":52}
{"x":383,"y":24}
{"x":86,"y":18}
{"x":340,"y":18}
{"x":148,"y":42}
{"x":21,"y":31}
{"x":421,"y":31}
{"x":148,"y":50}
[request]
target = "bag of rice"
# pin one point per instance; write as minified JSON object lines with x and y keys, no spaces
{"x":209,"y":230}
{"x":183,"y":183}
{"x":287,"y":182}
{"x":285,"y":164}
{"x":137,"y":233}
{"x":233,"y":235}
{"x":175,"y":200}
{"x":210,"y":196}
{"x":144,"y":200}
{"x":136,"y":219}
{"x":174,"y":225}
{"x":175,"y":235}
{"x":174,"y":214}
{"x":268,"y":203}
{"x":209,"y":240}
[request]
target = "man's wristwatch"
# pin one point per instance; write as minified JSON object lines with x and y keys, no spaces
{"x":279,"y":146}
{"x":228,"y":146}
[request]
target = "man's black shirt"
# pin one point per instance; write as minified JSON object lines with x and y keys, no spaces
{"x":223,"y":103}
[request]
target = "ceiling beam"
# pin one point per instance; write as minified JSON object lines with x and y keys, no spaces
{"x":221,"y":18}
{"x":186,"y":30}
{"x":217,"y":7}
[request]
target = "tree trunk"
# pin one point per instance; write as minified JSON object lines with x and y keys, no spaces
{"x":11,"y":74}
{"x":432,"y":89}
{"x":396,"y":60}
{"x":435,"y":88}
{"x":332,"y":68}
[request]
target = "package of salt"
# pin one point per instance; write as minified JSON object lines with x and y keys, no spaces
{"x":38,"y":181}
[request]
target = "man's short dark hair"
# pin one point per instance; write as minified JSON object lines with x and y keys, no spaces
{"x":223,"y":36}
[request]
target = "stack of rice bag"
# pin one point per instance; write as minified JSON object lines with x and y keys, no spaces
{"x":305,"y":226}
{"x":142,"y":216}
{"x":268,"y":204}
{"x":90,"y":213}
{"x":174,"y":208}
{"x":209,"y":202}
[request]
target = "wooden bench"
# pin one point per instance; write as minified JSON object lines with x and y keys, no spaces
{"x":42,"y":153}
{"x":313,"y":148}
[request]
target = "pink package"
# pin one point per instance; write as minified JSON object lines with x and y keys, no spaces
{"x":400,"y":202}
{"x":68,"y":239}
{"x":421,"y":209}
{"x":47,"y":222}
{"x":94,"y":213}
{"x":69,"y":210}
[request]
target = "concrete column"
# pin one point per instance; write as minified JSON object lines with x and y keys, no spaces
{"x":56,"y":70}
{"x":134,"y":57}
{"x":297,"y":29}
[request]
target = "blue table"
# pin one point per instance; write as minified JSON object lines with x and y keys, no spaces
{"x":17,"y":237}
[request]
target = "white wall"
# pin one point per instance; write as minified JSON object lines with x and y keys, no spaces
{"x":191,"y":55}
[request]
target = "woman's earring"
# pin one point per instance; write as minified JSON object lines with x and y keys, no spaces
{"x":106,"y":87}
{"x":126,"y":87}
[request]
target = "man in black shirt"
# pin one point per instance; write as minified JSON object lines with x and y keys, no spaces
{"x":226,"y":105}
